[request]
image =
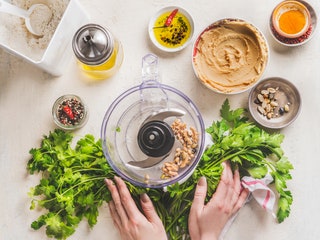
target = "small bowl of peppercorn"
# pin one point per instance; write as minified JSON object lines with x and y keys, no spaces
{"x":69,"y":112}
{"x":274,"y":103}
{"x":171,"y":29}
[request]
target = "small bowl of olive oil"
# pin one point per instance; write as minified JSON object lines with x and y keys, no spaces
{"x":171,"y":29}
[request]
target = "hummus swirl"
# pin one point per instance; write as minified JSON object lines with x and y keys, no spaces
{"x":230,"y":56}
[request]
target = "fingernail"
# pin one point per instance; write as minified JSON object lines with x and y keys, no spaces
{"x":116,"y":178}
{"x":108,"y":181}
{"x":144,"y":197}
{"x":202,"y":181}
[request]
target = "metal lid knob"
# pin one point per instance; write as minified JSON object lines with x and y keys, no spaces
{"x":93,"y":44}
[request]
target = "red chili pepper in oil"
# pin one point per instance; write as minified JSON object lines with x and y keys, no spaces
{"x":171,"y":16}
{"x":69,"y":112}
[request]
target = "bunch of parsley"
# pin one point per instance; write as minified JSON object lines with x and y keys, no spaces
{"x":251,"y":149}
{"x":72,"y":184}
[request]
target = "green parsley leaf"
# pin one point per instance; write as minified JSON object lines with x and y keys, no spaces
{"x":72,"y":186}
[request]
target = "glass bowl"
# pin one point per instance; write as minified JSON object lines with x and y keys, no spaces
{"x":69,"y":112}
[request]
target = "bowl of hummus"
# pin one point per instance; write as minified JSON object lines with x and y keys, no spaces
{"x":230,"y":56}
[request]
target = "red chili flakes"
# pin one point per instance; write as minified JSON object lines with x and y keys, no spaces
{"x":292,"y":40}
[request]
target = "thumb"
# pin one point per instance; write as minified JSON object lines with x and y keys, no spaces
{"x":148,"y":208}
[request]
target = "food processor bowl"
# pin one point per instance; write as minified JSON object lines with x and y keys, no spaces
{"x":141,"y":132}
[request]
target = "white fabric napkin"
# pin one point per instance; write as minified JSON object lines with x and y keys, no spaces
{"x":260,"y":192}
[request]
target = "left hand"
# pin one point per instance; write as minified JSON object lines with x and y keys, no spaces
{"x":131,"y":223}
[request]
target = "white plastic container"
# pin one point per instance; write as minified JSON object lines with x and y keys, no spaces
{"x":58,"y":52}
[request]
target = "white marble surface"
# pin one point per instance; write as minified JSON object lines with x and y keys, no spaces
{"x":27,"y":94}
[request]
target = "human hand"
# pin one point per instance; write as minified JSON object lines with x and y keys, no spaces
{"x":207,"y":221}
{"x":131,"y":223}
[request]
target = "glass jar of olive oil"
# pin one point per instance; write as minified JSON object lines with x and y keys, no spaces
{"x":99,"y":53}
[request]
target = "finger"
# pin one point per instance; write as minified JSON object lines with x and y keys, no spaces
{"x":126,"y":199}
{"x":114,"y":214}
{"x":236,"y":181}
{"x":117,"y":201}
{"x":200,"y":194}
{"x":235,"y":187}
{"x":148,"y":209}
{"x":226,"y":173}
{"x":197,"y":206}
{"x":223,"y":186}
{"x":241,"y":200}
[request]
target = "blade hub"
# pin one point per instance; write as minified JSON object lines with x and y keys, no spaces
{"x":156,"y":138}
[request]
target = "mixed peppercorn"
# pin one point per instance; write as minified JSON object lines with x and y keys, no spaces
{"x":70,"y":112}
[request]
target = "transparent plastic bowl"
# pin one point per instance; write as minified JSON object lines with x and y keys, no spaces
{"x":127,"y":115}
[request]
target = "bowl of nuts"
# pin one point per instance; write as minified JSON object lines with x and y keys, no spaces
{"x":274,"y":103}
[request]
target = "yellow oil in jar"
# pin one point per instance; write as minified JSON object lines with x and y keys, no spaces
{"x":106,"y":69}
{"x":174,"y":35}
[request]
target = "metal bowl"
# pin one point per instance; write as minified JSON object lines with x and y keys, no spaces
{"x":284,"y":103}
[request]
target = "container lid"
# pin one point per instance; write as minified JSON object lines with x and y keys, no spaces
{"x":92,"y":44}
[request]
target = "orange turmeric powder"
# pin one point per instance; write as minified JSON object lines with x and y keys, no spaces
{"x":292,"y":21}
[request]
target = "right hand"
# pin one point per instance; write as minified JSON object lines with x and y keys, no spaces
{"x":207,"y":221}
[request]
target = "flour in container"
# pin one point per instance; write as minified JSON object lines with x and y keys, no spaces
{"x":40,"y":18}
{"x":14,"y":34}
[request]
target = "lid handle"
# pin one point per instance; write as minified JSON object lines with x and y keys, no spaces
{"x":151,"y":91}
{"x":150,"y":68}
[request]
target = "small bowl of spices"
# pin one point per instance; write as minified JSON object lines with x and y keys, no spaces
{"x":274,"y":103}
{"x":291,"y":19}
{"x":69,"y":112}
{"x":171,"y":29}
{"x":292,"y":22}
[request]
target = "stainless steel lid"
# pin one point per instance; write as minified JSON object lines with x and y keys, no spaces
{"x":93,"y":44}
